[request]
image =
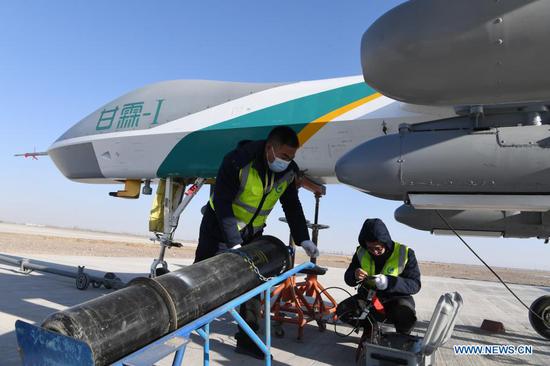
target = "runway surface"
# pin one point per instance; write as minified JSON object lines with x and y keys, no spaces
{"x":32,"y":297}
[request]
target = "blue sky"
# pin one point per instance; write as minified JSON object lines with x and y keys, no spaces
{"x":61,"y":60}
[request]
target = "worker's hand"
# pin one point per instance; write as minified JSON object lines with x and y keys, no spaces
{"x":381,"y":282}
{"x":360,"y":274}
{"x":310,"y":248}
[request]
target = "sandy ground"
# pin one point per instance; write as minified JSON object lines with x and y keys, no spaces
{"x":29,"y":240}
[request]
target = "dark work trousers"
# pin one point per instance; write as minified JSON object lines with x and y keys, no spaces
{"x":210,"y":236}
{"x":400,"y":310}
{"x":210,"y":243}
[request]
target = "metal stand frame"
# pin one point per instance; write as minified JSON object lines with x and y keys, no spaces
{"x":311,"y":286}
{"x":40,"y":347}
{"x":304,"y":300}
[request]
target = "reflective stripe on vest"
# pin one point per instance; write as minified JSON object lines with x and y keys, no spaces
{"x":251,"y":192}
{"x":394,"y":266}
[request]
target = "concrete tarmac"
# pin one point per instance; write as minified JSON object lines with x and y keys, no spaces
{"x":33,"y":297}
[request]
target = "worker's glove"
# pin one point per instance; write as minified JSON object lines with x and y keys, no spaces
{"x":381,"y":282}
{"x":310,"y":248}
{"x":226,"y":247}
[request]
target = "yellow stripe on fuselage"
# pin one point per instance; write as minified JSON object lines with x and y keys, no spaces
{"x":314,"y":126}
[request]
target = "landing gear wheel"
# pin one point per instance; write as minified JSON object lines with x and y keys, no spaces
{"x":160,"y":271}
{"x":322,"y":324}
{"x":158,"y":268}
{"x":541,"y":307}
{"x":109,"y":276}
{"x":82,"y":281}
{"x":96,"y":284}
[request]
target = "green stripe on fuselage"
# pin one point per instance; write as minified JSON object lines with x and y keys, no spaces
{"x":200,"y":153}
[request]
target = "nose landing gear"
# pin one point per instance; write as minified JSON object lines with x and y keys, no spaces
{"x":174,"y":201}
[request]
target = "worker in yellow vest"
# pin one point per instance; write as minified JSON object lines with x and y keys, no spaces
{"x":396,"y":276}
{"x":250,"y":181}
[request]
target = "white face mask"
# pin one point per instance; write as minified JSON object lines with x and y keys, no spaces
{"x":278,"y":165}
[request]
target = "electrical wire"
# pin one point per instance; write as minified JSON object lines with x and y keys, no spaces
{"x":354,"y":328}
{"x":357,"y":327}
{"x":488,"y":267}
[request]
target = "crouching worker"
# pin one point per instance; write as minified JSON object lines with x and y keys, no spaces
{"x":396,"y":278}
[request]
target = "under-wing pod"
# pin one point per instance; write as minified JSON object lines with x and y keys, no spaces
{"x":420,"y":159}
{"x":467,"y":52}
{"x":509,"y":224}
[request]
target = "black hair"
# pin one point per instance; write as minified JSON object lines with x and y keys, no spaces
{"x":284,"y":135}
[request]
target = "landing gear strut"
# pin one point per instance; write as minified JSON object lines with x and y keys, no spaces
{"x":541,"y":307}
{"x":172,"y":213}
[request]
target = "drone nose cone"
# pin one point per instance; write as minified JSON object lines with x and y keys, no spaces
{"x":77,"y":161}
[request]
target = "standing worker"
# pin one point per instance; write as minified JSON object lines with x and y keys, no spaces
{"x":250,"y":181}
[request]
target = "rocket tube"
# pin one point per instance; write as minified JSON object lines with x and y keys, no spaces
{"x":123,"y":321}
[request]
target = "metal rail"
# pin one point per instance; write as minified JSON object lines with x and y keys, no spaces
{"x":82,"y":279}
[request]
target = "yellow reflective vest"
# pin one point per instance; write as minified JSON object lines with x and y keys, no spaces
{"x":255,"y":199}
{"x":394,"y":265}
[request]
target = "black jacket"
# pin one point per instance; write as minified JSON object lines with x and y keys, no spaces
{"x":227,"y":186}
{"x":407,"y":283}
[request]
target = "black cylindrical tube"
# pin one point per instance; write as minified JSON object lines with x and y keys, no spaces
{"x":117,"y":324}
{"x":210,"y":283}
